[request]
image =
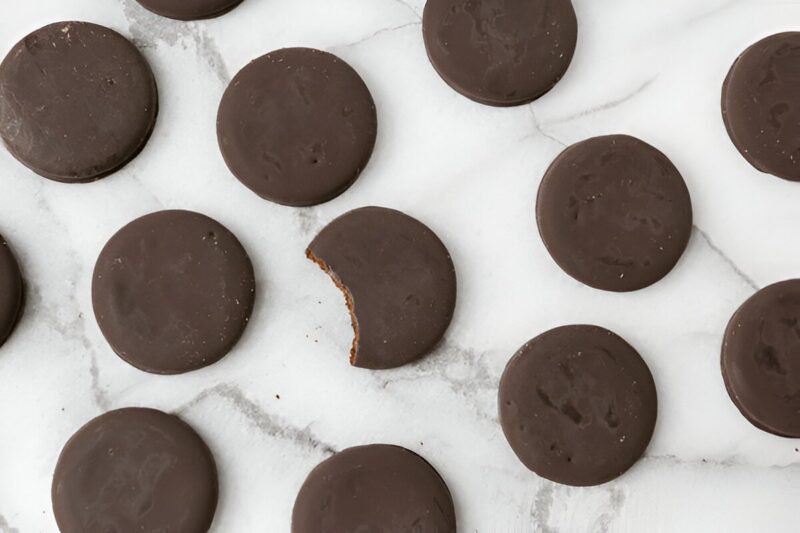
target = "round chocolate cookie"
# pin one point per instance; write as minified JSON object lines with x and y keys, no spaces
{"x":761,"y":105}
{"x":374,"y":488}
{"x":173,"y":291}
{"x":134,"y":470}
{"x":189,"y":9}
{"x":761,"y":359}
{"x":500,"y":52}
{"x":614,"y":213}
{"x":77,"y":101}
{"x":398,"y":280}
{"x":578,"y":405}
{"x":297,"y":126}
{"x":11,"y":291}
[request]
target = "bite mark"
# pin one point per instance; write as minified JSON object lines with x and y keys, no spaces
{"x":348,"y":297}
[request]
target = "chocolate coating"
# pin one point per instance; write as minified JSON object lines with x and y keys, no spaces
{"x":578,"y":405}
{"x":11,"y":291}
{"x":297,"y":126}
{"x":374,"y":488}
{"x":189,"y":9}
{"x":614,"y":213}
{"x":135,"y":470}
{"x":500,"y":52}
{"x":398,"y":280}
{"x":761,"y":105}
{"x":173,"y":291}
{"x":77,"y":101}
{"x":761,"y":359}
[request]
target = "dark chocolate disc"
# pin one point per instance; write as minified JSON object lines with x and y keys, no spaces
{"x":189,"y":9}
{"x":761,"y":105}
{"x":500,"y":52}
{"x":135,"y":470}
{"x":761,"y":359}
{"x":398,"y":280}
{"x":77,"y":101}
{"x":374,"y":488}
{"x":11,"y":291}
{"x":173,"y":291}
{"x":578,"y":405}
{"x":297,"y":126}
{"x":614,"y":213}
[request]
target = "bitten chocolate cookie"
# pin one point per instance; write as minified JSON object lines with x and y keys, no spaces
{"x":297,"y":126}
{"x":578,"y":405}
{"x":11,"y":291}
{"x":500,"y":52}
{"x":398,"y":280}
{"x":189,"y":9}
{"x":374,"y":488}
{"x":134,"y":470}
{"x":173,"y":291}
{"x":77,"y":101}
{"x":614,"y":213}
{"x":761,"y":105}
{"x":761,"y":359}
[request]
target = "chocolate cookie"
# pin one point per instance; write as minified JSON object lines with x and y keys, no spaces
{"x":189,"y":9}
{"x":500,"y":52}
{"x":761,"y":359}
{"x":77,"y":101}
{"x":398,"y":280}
{"x":173,"y":291}
{"x":134,"y":470}
{"x":614,"y":213}
{"x":11,"y":291}
{"x":297,"y":126}
{"x":578,"y":405}
{"x":761,"y":105}
{"x":374,"y":488}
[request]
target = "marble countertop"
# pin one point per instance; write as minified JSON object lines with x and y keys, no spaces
{"x":286,"y":397}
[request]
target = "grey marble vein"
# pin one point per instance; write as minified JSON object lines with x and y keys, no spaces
{"x":5,"y":528}
{"x":725,"y":462}
{"x":730,"y":262}
{"x":541,"y":506}
{"x":147,"y":29}
{"x":409,"y":7}
{"x":539,"y":130}
{"x":605,"y":106}
{"x":309,"y":220}
{"x":258,"y":417}
{"x":99,"y":393}
{"x":146,"y":190}
{"x":479,"y":377}
{"x":73,"y":330}
{"x":378,"y":33}
{"x":616,"y":502}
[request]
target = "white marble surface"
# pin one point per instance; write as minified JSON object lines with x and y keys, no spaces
{"x":286,"y":397}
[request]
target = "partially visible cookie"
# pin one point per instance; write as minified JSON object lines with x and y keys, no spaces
{"x":761,"y":105}
{"x":189,"y":9}
{"x":11,"y":291}
{"x":77,"y":101}
{"x":374,"y":488}
{"x":761,"y":359}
